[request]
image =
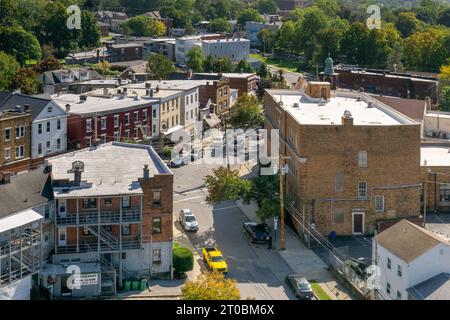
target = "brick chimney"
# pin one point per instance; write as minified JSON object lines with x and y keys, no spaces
{"x":146,"y":172}
{"x":347,"y":118}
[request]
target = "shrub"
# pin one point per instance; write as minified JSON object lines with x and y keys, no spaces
{"x":167,"y":151}
{"x":183,"y":259}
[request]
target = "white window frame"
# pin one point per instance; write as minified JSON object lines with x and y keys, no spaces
{"x":39,"y":128}
{"x":88,"y":125}
{"x":362,"y":159}
{"x":127,"y":119}
{"x":7,"y":153}
{"x":9,"y":133}
{"x":58,"y":124}
{"x":48,"y":145}
{"x":58,"y":144}
{"x":88,"y":141}
{"x":136,"y":117}
{"x":103,"y":123}
{"x":378,"y":207}
{"x":366,"y":190}
{"x":339,"y":182}
{"x":144,"y":115}
{"x":48,"y":126}
{"x":21,"y":150}
{"x":116,"y":121}
{"x":116,"y":136}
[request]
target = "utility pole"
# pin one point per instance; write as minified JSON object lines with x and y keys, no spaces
{"x":283,"y":171}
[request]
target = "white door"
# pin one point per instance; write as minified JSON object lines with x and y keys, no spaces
{"x":62,"y":236}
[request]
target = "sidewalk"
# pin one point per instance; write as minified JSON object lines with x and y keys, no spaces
{"x":299,"y":258}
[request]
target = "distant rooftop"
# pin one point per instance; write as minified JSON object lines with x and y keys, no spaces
{"x":226,"y":40}
{"x":312,"y":111}
{"x":110,"y":169}
{"x":435,"y":156}
{"x":435,"y":288}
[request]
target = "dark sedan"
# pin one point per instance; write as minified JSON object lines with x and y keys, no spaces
{"x":300,"y":286}
{"x":257,"y":232}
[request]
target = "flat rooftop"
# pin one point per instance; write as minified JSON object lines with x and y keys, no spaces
{"x":98,"y":104}
{"x":110,"y":169}
{"x":226,"y":40}
{"x":230,"y":75}
{"x":434,"y":156}
{"x":312,"y":111}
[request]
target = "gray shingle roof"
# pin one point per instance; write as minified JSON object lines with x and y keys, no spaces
{"x":25,"y":191}
{"x":435,"y":288}
{"x":17,"y":99}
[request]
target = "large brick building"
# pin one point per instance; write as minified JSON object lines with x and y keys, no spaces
{"x":113,"y":217}
{"x":353,"y":161}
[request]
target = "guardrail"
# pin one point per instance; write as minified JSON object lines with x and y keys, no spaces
{"x":93,"y":247}
{"x":106,"y":217}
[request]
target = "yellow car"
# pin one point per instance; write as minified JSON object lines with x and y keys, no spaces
{"x":214,"y":260}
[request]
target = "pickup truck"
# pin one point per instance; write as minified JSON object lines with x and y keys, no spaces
{"x":214,"y":260}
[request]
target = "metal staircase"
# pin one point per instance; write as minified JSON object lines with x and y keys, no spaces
{"x":109,"y":266}
{"x":105,"y":237}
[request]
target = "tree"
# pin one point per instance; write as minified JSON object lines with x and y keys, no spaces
{"x":224,"y":184}
{"x":444,"y":85}
{"x":20,"y":43}
{"x":159,"y":67}
{"x":220,"y":25}
{"x":183,"y":259}
{"x":8,"y":69}
{"x":268,"y":38}
{"x":395,"y":58}
{"x":407,"y":23}
{"x":247,"y":15}
{"x":208,"y":64}
{"x":222,"y":65}
{"x":48,"y":64}
{"x":267,"y":6}
{"x":224,"y":9}
{"x":90,"y":32}
{"x":329,"y":7}
{"x":243,"y":66}
{"x":27,"y":81}
{"x":263,"y":72}
{"x":444,"y":17}
{"x":143,"y":26}
{"x":195,"y":59}
{"x":247,"y":113}
{"x":210,"y":286}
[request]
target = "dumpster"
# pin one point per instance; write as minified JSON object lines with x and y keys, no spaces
{"x":135,"y":286}
{"x":127,"y":285}
{"x":144,"y":284}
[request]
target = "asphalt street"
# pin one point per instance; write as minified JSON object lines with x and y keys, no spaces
{"x":260,"y":272}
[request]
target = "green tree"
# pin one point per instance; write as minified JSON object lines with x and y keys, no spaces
{"x":247,"y":113}
{"x":159,"y":67}
{"x":243,"y":66}
{"x":27,"y":81}
{"x":444,"y":17}
{"x":224,"y":9}
{"x":267,"y":6}
{"x":208,"y":64}
{"x":90,"y":31}
{"x":329,"y":7}
{"x":223,"y":65}
{"x":183,"y":259}
{"x":210,"y":286}
{"x":268,"y":38}
{"x":20,"y":43}
{"x":48,"y":64}
{"x":224,"y":184}
{"x":220,"y":25}
{"x":143,"y":26}
{"x":195,"y":59}
{"x":8,"y":69}
{"x":444,"y":87}
{"x":9,"y":12}
{"x":247,"y":15}
{"x":394,"y":61}
{"x":263,"y":72}
{"x":407,"y":23}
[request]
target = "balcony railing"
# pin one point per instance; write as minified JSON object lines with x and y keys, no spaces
{"x":106,"y":217}
{"x":21,"y":242}
{"x":93,"y":247}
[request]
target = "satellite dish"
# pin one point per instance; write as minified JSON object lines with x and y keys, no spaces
{"x":164,"y":126}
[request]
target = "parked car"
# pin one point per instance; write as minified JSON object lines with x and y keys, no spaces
{"x":214,"y":260}
{"x":188,"y":220}
{"x":300,"y":286}
{"x":179,"y":161}
{"x":257,"y":232}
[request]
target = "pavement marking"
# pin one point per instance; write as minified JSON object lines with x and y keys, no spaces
{"x":187,"y":199}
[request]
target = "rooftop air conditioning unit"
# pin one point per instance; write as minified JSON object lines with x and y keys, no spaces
{"x":370,"y":104}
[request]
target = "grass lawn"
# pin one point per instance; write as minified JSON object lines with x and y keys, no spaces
{"x":285,"y":64}
{"x":318,"y":291}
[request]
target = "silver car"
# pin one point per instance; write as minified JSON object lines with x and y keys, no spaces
{"x":188,"y":220}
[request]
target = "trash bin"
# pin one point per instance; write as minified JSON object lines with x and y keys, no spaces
{"x":135,"y":286}
{"x":144,"y":284}
{"x":127,"y":285}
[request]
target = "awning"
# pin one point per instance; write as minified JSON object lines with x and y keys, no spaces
{"x":19,"y":219}
{"x":172,"y":130}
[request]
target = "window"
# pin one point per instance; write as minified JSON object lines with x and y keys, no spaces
{"x":362,"y":189}
{"x":88,"y":125}
{"x":49,"y":109}
{"x":192,"y":98}
{"x":39,"y":128}
{"x":187,"y":115}
{"x":339,"y":182}
{"x":176,"y":120}
{"x":39,"y":148}
{"x":108,"y":201}
{"x":46,"y":239}
{"x":156,"y":256}
{"x":103,"y":138}
{"x":225,"y":92}
{"x":154,"y":129}
{"x":399,"y":270}
{"x":187,"y":100}
{"x":58,"y":143}
{"x":362,"y":159}
{"x":7,"y":154}
{"x":156,"y":225}
{"x":154,"y":113}
{"x":7,"y":134}
{"x":124,"y":255}
{"x":48,"y":126}
{"x":399,"y":295}
{"x":338,"y":215}
{"x":144,"y":115}
{"x":86,"y":231}
{"x":127,"y":133}
{"x":196,"y":97}
{"x":46,"y":211}
{"x":103,"y":123}
{"x":49,"y":149}
{"x":88,"y":142}
{"x":136,"y":116}
{"x":116,"y":135}
{"x":19,"y":152}
{"x":127,"y":119}
{"x":444,"y":190}
{"x":156,"y":198}
{"x":89,"y":203}
{"x":389,"y":263}
{"x":58,"y":124}
{"x":126,"y":202}
{"x":126,"y":231}
{"x":192,"y":114}
{"x":388,"y":288}
{"x":379,"y":203}
{"x":116,"y":121}
{"x":20,"y":132}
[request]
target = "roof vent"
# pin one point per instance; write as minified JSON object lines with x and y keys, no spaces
{"x":370,"y":104}
{"x":296,"y":105}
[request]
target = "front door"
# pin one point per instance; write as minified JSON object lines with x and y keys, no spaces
{"x":62,"y":236}
{"x":358,"y":222}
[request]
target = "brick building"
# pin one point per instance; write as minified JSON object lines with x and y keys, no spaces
{"x":113,"y":217}
{"x":15,"y":141}
{"x":125,"y":52}
{"x":353,"y":160}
